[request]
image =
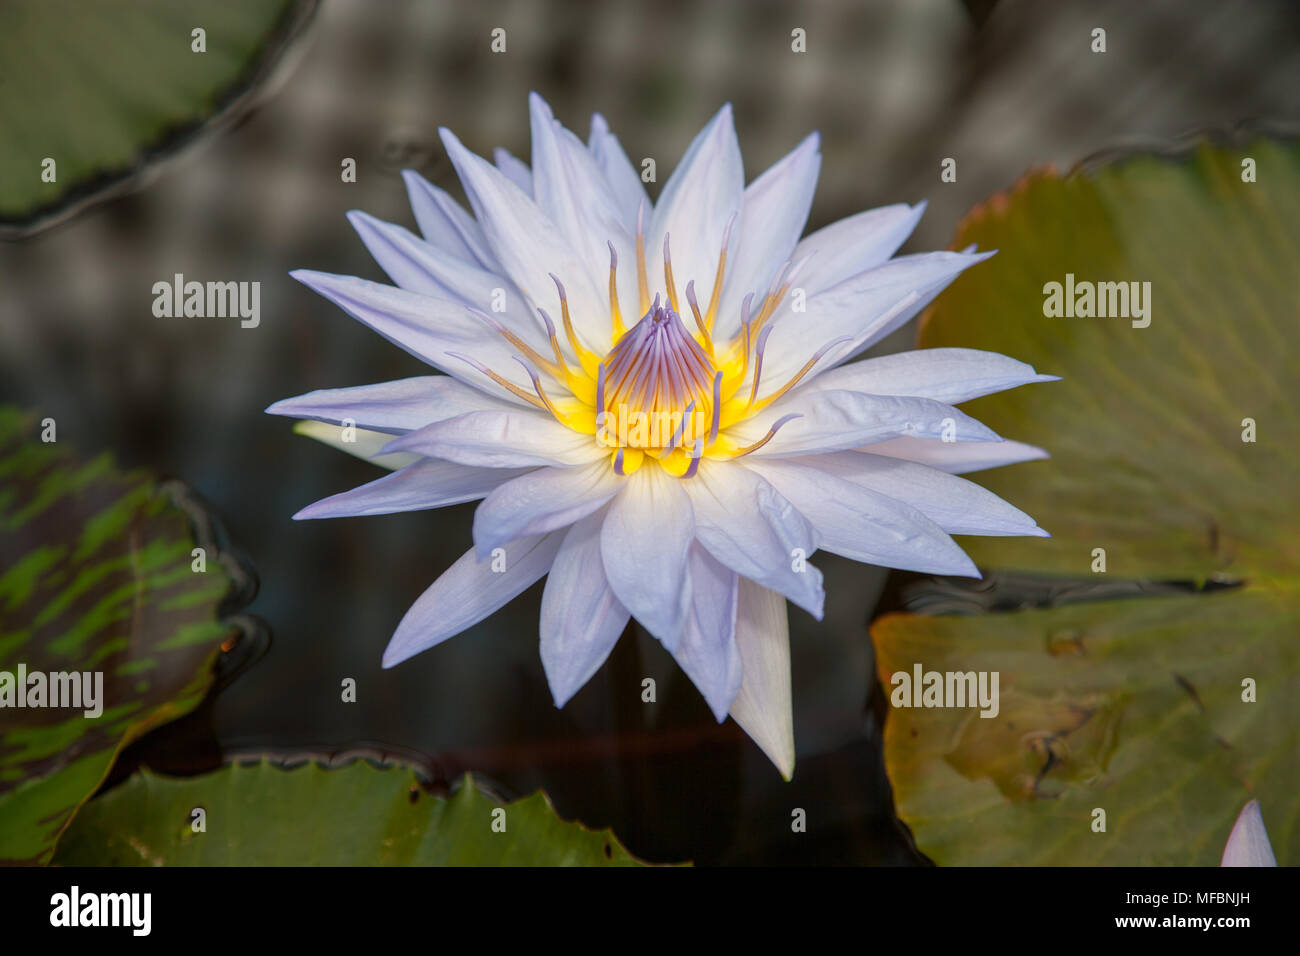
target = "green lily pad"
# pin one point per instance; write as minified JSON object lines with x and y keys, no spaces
{"x":101,"y":88}
{"x":355,"y":815}
{"x":96,"y":577}
{"x":1139,"y":705}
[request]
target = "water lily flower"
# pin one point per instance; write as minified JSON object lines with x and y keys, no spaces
{"x":1248,"y":843}
{"x":655,"y":403}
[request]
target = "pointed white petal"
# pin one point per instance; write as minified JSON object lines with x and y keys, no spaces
{"x":444,"y":223}
{"x":427,"y":483}
{"x":501,"y":439}
{"x":393,"y":407}
{"x":623,"y":179}
{"x":773,"y":214}
{"x":862,"y":309}
{"x":581,"y":618}
{"x":864,"y":525}
{"x":764,"y":707}
{"x":703,"y":192}
{"x":747,"y":525}
{"x":707,"y":651}
{"x":417,"y":266}
{"x":836,"y":420}
{"x":426,"y":327}
{"x":853,"y":245}
{"x":958,"y":457}
{"x":469,"y":591}
{"x":1248,"y":843}
{"x":572,"y":191}
{"x":515,"y":169}
{"x":643,"y":543}
{"x":543,"y":500}
{"x":531,"y":247}
{"x":946,"y":375}
{"x":956,"y":505}
{"x":360,"y":443}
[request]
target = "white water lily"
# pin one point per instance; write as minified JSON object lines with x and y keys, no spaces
{"x":653,"y":403}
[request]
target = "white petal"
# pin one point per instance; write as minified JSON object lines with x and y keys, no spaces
{"x":469,"y":591}
{"x":417,"y":266}
{"x":427,"y":483}
{"x":620,"y":174}
{"x":708,"y":652}
{"x":515,"y":169}
{"x":865,"y":525}
{"x":581,"y":618}
{"x":747,"y":525}
{"x":853,"y":245}
{"x":643,"y":543}
{"x":774,"y":212}
{"x":571,"y":190}
{"x":862,"y":309}
{"x":946,"y":375}
{"x":426,"y":327}
{"x":500,"y":439}
{"x":956,"y":505}
{"x":764,"y":707}
{"x":393,"y":407}
{"x":543,"y":500}
{"x":957,"y":458}
{"x":703,"y":192}
{"x":1248,"y":843}
{"x":530,"y":247}
{"x":444,"y":223}
{"x":835,"y":420}
{"x":359,"y":442}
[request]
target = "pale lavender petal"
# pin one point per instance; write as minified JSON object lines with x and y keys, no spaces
{"x":701,"y":195}
{"x":444,"y":222}
{"x":853,"y":245}
{"x":426,"y":327}
{"x":515,"y":169}
{"x":543,"y":500}
{"x":956,"y":457}
{"x":532,"y":248}
{"x":956,"y":505}
{"x":496,"y":439}
{"x":644,"y":541}
{"x":836,"y":420}
{"x":773,"y":214}
{"x":358,"y":442}
{"x":864,"y":525}
{"x":764,"y":706}
{"x":946,"y":375}
{"x":707,"y":651}
{"x":581,"y":618}
{"x":469,"y":591}
{"x":428,"y":483}
{"x":393,"y":407}
{"x":620,"y":173}
{"x":747,"y":525}
{"x":1248,"y":843}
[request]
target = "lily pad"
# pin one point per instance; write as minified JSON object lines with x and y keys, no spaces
{"x":1174,"y":442}
{"x":355,"y":815}
{"x":102,"y":88}
{"x":97,"y":576}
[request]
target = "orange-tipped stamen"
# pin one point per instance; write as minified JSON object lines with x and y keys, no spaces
{"x":668,"y":276}
{"x":642,"y":281}
{"x":615,"y":316}
{"x":508,"y":386}
{"x":798,"y":376}
{"x":534,"y":356}
{"x":740,"y":453}
{"x":587,"y":358}
{"x":712,"y":312}
{"x":699,"y":319}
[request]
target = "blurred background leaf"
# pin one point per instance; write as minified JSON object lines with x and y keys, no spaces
{"x":1133,"y":704}
{"x":355,"y":815}
{"x":95,"y":575}
{"x":104,"y":88}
